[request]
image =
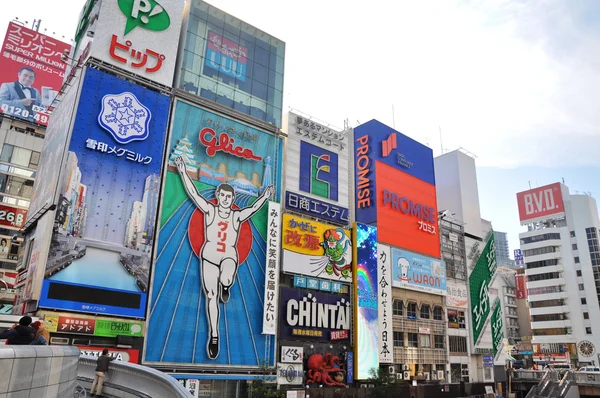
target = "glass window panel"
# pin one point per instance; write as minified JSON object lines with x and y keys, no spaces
{"x":225,"y":95}
{"x":261,"y":56}
{"x":216,"y":18}
{"x":7,"y":151}
{"x":192,"y":25}
{"x":199,"y":9}
{"x":21,"y":156}
{"x":279,"y":65}
{"x":232,"y":25}
{"x":261,"y":74}
{"x":189,"y":82}
{"x":34,"y":160}
{"x":278,"y":81}
{"x":263,"y":40}
{"x":259,"y":90}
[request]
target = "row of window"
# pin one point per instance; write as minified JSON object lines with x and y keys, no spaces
{"x":20,"y":156}
{"x":540,"y":250}
{"x":411,"y":310}
{"x":544,"y":290}
{"x":546,"y":303}
{"x":548,"y":317}
{"x":17,"y":186}
{"x":456,"y":319}
{"x":539,"y":238}
{"x":542,"y":263}
{"x":594,"y":247}
{"x":543,"y":277}
{"x":415,"y":340}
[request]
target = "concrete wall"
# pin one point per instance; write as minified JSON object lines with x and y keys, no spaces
{"x":37,"y":371}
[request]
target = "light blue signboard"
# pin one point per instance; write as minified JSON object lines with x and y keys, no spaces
{"x":417,"y":272}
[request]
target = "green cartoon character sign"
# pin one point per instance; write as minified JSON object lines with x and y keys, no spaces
{"x":339,"y":252}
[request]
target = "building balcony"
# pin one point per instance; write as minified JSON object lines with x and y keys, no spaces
{"x":562,"y":309}
{"x":547,"y":282}
{"x":567,"y":323}
{"x":403,"y":324}
{"x":547,"y":296}
{"x":541,"y":257}
{"x":512,"y":315}
{"x":543,"y":270}
{"x":541,"y":243}
{"x":408,"y":355}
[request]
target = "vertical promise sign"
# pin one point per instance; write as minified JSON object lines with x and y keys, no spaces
{"x":366,"y":315}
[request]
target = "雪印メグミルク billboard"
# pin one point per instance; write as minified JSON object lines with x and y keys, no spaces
{"x":207,"y":297}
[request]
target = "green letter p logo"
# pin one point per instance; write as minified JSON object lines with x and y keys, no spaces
{"x":145,"y":13}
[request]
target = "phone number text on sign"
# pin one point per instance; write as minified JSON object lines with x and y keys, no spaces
{"x":12,"y":216}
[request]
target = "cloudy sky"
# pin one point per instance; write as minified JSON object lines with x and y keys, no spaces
{"x":514,"y":82}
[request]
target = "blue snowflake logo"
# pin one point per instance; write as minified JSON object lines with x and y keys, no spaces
{"x":124,"y":117}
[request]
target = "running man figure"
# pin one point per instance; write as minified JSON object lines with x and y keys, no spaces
{"x":218,"y":255}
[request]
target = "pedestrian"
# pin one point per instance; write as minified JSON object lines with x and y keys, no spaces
{"x":41,"y":337}
{"x":20,"y":333}
{"x":101,"y":370}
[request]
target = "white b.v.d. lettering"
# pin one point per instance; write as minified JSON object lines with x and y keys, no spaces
{"x":537,"y":202}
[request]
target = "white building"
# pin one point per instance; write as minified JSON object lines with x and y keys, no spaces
{"x":134,"y":226}
{"x":562,"y":258}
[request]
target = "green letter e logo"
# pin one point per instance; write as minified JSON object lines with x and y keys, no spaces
{"x":145,"y":13}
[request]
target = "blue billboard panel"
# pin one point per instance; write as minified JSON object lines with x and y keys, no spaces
{"x":416,"y":272}
{"x":374,"y":141}
{"x":206,"y":307}
{"x":100,"y":256}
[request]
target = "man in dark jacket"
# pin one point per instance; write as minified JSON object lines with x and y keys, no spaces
{"x":19,"y":334}
{"x":101,"y":370}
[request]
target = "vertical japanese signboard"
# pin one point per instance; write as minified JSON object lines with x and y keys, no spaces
{"x":479,"y":282}
{"x":384,"y":280}
{"x":366,"y":323}
{"x":521,"y":287}
{"x":272,"y":271}
{"x":317,"y":172}
{"x":31,"y":73}
{"x":497,"y":328}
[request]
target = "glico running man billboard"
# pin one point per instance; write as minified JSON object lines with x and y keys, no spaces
{"x":395,"y":188}
{"x":207,"y":297}
{"x":99,"y":258}
{"x":31,"y":73}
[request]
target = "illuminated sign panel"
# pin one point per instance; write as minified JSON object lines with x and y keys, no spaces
{"x":415,"y":272}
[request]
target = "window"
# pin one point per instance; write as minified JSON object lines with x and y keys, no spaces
{"x":543,"y":277}
{"x":412,"y":310}
{"x":545,"y":318}
{"x":413,"y":340}
{"x":17,"y":186}
{"x":398,"y":339}
{"x":542,"y":263}
{"x":572,"y":234}
{"x":456,"y":319}
{"x":438,"y":340}
{"x":578,"y":272}
{"x":583,"y":301}
{"x":425,"y":311}
{"x":539,"y":238}
{"x":398,"y":307}
{"x":438,"y":313}
{"x":586,"y":315}
{"x":17,"y":155}
{"x":541,"y":250}
{"x":457,"y":344}
{"x":546,"y":303}
{"x":581,"y":287}
{"x":574,"y":246}
{"x":425,"y":341}
{"x":588,"y":330}
{"x":576,"y":260}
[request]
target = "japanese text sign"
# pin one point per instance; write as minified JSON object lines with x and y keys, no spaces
{"x":537,"y":203}
{"x":272,"y":271}
{"x":456,"y":295}
{"x":106,"y":328}
{"x":479,"y":282}
{"x":316,"y":208}
{"x":315,"y":249}
{"x":521,"y":287}
{"x":76,"y":325}
{"x":292,"y":354}
{"x":384,"y":280}
{"x":497,"y":328}
{"x":31,"y":73}
{"x":416,"y":272}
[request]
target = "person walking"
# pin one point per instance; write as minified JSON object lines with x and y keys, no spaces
{"x":20,"y":333}
{"x":41,"y":337}
{"x":101,"y":370}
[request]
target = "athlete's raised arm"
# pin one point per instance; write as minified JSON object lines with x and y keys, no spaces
{"x":248,"y":212}
{"x":190,"y":188}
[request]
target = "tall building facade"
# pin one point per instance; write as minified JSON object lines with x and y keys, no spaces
{"x":560,"y":249}
{"x":502,"y":250}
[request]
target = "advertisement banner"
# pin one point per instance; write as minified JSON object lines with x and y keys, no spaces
{"x":119,"y":354}
{"x":313,"y":315}
{"x":384,"y":279}
{"x":292,"y":354}
{"x":10,"y":250}
{"x":374,"y":144}
{"x":106,"y":328}
{"x":407,"y":212}
{"x":211,"y":253}
{"x":456,"y":295}
{"x":521,"y":287}
{"x":366,"y":313}
{"x":497,"y":328}
{"x":289,"y":373}
{"x":519,"y":260}
{"x":272,"y":272}
{"x":31,"y":73}
{"x":12,"y":217}
{"x":99,"y":261}
{"x":479,"y":282}
{"x":539,"y":203}
{"x":140,"y":37}
{"x":415,"y":272}
{"x":315,"y":249}
{"x":318,"y":170}
{"x":38,"y":252}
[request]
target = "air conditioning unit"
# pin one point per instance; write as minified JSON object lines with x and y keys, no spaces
{"x":440,"y":374}
{"x":406,"y":375}
{"x":405,"y":367}
{"x":398,"y":376}
{"x":427,"y":375}
{"x":391,"y":369}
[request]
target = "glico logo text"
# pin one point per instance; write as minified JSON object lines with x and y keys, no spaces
{"x":410,"y":207}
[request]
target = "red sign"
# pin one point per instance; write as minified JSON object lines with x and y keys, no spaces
{"x":119,"y":354}
{"x":67,"y":324}
{"x":10,"y":278}
{"x":224,"y":143}
{"x":540,"y":202}
{"x":31,"y":73}
{"x":339,"y":335}
{"x":12,"y":217}
{"x":521,"y":289}
{"x":150,"y":60}
{"x":406,"y":211}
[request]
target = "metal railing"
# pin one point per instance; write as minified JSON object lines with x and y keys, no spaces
{"x":131,"y":380}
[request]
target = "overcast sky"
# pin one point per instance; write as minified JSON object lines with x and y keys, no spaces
{"x":514,"y":82}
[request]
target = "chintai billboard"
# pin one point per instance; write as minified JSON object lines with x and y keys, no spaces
{"x":100,"y":254}
{"x":207,"y":296}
